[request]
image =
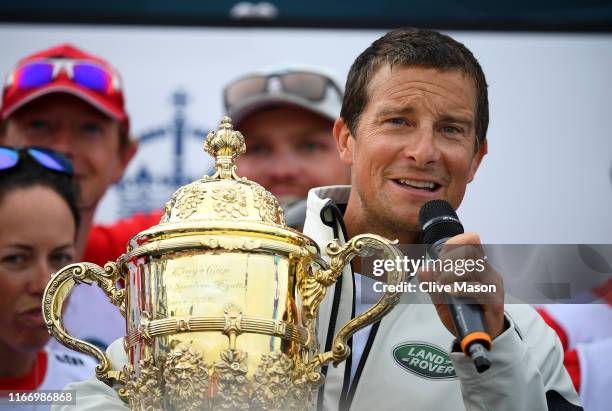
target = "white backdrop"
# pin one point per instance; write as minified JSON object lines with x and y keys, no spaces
{"x":546,"y":178}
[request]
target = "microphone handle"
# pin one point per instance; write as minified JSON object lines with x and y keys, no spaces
{"x":467,"y":317}
{"x":471,"y":334}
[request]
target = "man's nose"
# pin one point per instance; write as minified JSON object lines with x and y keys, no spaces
{"x":284,"y":165}
{"x":63,"y":141}
{"x":422,"y":147}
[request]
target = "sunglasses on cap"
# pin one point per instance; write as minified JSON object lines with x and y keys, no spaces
{"x":49,"y":159}
{"x":88,"y":74}
{"x":307,"y":85}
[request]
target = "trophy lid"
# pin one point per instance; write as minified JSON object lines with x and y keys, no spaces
{"x":223,"y":196}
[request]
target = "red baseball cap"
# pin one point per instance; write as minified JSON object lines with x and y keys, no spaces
{"x":111,"y":103}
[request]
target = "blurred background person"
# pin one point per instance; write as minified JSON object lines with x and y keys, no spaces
{"x":585,"y":332}
{"x":286,"y":115}
{"x":40,"y":220}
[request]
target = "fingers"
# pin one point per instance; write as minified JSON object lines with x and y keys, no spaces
{"x":461,"y":271}
{"x":466,"y":238}
{"x":436,"y":295}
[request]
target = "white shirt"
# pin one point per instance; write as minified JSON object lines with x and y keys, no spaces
{"x":59,"y":367}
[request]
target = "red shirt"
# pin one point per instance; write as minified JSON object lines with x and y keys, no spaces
{"x":107,"y":242}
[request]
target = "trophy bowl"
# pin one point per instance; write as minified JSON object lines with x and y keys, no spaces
{"x":220,"y":299}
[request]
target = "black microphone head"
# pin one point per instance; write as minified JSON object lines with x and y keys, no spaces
{"x":438,"y":220}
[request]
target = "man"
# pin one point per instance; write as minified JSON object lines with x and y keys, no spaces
{"x":413,"y":128}
{"x":286,"y":115}
{"x":68,"y":100}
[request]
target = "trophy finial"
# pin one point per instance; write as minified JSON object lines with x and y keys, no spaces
{"x":225,"y":145}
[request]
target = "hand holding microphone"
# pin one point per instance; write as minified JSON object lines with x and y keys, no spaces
{"x":473,"y":324}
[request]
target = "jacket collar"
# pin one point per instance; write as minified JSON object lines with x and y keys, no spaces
{"x":323,"y":216}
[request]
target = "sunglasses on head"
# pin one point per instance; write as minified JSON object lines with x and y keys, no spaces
{"x":49,"y":159}
{"x":307,"y":85}
{"x":87,"y":74}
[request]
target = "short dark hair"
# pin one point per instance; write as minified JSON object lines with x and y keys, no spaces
{"x":28,"y":173}
{"x":413,"y":47}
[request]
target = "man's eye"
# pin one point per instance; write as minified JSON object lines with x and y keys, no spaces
{"x":451,"y":130}
{"x":91,"y":128}
{"x":40,"y":124}
{"x":311,"y":147}
{"x":259,"y":149}
{"x":398,"y":121}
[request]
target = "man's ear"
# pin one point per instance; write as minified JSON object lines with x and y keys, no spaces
{"x":345,"y":143}
{"x":126,"y":154}
{"x":483,"y":149}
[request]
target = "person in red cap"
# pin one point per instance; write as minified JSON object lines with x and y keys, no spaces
{"x":70,"y":101}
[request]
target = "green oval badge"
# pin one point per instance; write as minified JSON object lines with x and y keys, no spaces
{"x":424,"y":360}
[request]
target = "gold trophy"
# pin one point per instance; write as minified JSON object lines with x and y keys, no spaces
{"x":220,"y":299}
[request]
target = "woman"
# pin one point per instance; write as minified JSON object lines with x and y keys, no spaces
{"x":38,"y":225}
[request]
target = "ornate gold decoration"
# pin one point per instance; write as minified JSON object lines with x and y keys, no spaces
{"x":272,"y":380}
{"x":231,"y":243}
{"x":225,"y":145}
{"x":233,"y":326}
{"x":53,"y":304}
{"x":269,"y":209}
{"x":230,"y":201}
{"x":222,"y":239}
{"x":185,"y":201}
{"x":143,"y":390}
{"x":302,"y":391}
{"x":232,"y":384}
{"x":186,"y":379}
{"x":189,"y":199}
{"x":144,"y":327}
{"x":169,"y":206}
{"x":149,"y":329}
{"x":312,"y":292}
{"x":362,"y":244}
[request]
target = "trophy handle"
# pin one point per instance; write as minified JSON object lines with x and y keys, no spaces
{"x":55,"y":295}
{"x":360,"y":245}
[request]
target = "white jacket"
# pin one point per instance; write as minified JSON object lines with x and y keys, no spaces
{"x":406,"y":363}
{"x":527,"y":371}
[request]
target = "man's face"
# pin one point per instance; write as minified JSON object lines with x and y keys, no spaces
{"x":289,"y":151}
{"x":86,"y":136}
{"x":415,"y":142}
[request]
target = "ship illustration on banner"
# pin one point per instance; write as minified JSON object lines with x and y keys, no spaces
{"x":163,"y":162}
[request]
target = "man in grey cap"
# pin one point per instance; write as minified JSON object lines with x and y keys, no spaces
{"x":286,"y":115}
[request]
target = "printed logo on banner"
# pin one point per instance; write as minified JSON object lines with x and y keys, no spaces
{"x":162,"y":163}
{"x":425,"y":360}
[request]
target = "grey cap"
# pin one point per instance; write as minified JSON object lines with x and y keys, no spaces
{"x":273,"y":96}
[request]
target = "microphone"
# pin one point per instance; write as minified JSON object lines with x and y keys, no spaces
{"x":439,"y":222}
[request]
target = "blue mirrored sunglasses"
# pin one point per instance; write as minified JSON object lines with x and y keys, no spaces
{"x":52,"y":160}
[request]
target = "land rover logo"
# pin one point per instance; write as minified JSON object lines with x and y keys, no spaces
{"x":424,"y":360}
